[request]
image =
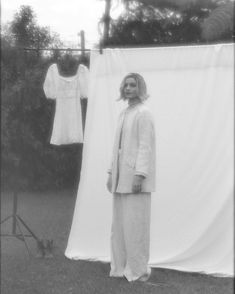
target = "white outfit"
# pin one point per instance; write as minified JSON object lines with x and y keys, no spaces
{"x":133,"y":154}
{"x":67,"y":126}
{"x":135,"y":144}
{"x":130,"y":235}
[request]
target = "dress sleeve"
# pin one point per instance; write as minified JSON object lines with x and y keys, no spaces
{"x":83,"y":80}
{"x":49,"y":85}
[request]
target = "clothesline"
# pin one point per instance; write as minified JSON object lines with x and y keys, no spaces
{"x":53,"y":49}
{"x":113,"y":46}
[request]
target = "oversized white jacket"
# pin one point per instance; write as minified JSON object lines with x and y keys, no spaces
{"x":134,"y":150}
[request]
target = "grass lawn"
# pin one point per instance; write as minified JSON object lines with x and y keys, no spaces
{"x":49,"y":215}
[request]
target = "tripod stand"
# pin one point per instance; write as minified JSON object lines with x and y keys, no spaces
{"x":18,"y":222}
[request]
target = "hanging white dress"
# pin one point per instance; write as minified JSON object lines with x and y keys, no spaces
{"x":67,"y":91}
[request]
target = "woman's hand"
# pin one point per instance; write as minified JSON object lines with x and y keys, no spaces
{"x":109,"y":183}
{"x":137,"y":183}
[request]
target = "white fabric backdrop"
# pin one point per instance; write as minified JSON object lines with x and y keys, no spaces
{"x":191,"y":95}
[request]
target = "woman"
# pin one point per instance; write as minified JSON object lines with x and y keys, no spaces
{"x":131,"y":180}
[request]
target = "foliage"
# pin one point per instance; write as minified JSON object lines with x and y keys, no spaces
{"x":26,"y":32}
{"x":169,"y":21}
{"x":220,"y":23}
{"x":28,"y":160}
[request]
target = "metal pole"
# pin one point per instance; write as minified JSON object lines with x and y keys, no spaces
{"x":14,"y":213}
{"x":106,"y":21}
{"x":82,"y":34}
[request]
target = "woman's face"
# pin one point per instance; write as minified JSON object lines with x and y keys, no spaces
{"x":130,"y":89}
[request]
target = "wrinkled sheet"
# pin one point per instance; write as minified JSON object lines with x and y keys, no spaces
{"x":192,"y":97}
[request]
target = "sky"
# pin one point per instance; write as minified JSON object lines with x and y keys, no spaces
{"x":65,"y":17}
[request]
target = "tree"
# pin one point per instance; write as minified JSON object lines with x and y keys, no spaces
{"x":220,"y":23}
{"x":172,"y":21}
{"x":26,"y":32}
{"x":28,"y":161}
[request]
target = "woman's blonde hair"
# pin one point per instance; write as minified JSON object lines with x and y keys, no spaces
{"x":141,"y":86}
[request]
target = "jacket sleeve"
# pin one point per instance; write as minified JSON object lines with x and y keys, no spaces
{"x":146,"y":136}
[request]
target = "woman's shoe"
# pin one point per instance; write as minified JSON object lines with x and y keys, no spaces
{"x":145,"y":277}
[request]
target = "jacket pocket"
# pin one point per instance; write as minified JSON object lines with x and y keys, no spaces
{"x":130,"y":161}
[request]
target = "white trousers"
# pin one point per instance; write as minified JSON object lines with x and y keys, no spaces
{"x":130,"y":235}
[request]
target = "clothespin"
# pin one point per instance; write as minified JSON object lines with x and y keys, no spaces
{"x":68,"y":51}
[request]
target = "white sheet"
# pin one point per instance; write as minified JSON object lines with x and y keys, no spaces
{"x":191,"y":94}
